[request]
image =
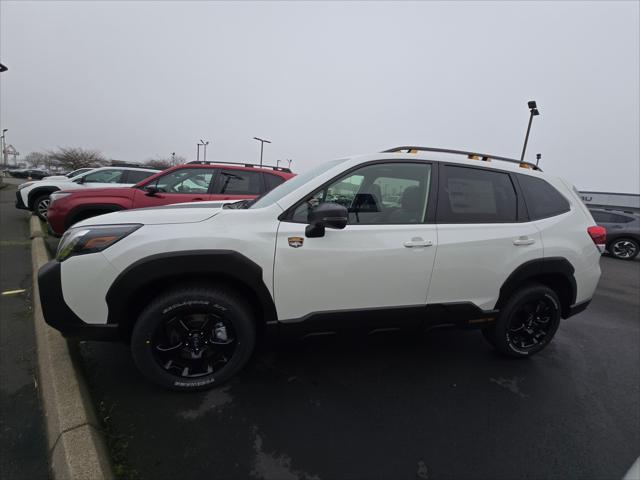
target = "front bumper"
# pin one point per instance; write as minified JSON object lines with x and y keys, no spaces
{"x":19,"y":203}
{"x":578,"y":307}
{"x":58,"y":314}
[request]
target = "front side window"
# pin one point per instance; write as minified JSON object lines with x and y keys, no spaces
{"x":186,"y":180}
{"x":239,"y":182}
{"x":473,"y":195}
{"x":104,"y":176}
{"x":542,"y":199}
{"x":378,"y":194}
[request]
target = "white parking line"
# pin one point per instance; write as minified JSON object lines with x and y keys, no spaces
{"x":13,"y":292}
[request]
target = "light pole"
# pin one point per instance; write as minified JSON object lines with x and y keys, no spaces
{"x":533,"y":108}
{"x":3,"y":147}
{"x":204,"y":144}
{"x":262,"y":142}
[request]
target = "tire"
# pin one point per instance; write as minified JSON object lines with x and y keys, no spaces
{"x":624,"y":248}
{"x":179,"y":344}
{"x":527,"y":322}
{"x":40,"y":206}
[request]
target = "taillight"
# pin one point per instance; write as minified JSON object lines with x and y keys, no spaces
{"x":598,"y":234}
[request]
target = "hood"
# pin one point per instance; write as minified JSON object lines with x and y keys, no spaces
{"x":168,"y":214}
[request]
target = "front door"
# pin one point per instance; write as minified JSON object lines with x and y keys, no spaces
{"x":382,"y":259}
{"x":177,"y":186}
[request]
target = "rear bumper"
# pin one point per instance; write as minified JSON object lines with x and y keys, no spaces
{"x":58,"y":314}
{"x":19,"y":203}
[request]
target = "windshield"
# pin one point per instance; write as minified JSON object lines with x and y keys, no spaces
{"x":289,"y":186}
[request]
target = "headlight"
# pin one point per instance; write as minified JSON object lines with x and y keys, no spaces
{"x":80,"y":241}
{"x":25,"y":184}
{"x":57,"y":196}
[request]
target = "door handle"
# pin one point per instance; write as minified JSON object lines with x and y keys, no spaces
{"x":414,"y":243}
{"x":520,"y":241}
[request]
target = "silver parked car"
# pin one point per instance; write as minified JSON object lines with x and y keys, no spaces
{"x":623,"y":231}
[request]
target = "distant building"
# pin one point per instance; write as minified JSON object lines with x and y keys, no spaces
{"x":621,"y":201}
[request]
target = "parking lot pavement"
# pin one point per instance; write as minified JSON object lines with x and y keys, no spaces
{"x":23,"y":447}
{"x":442,"y":405}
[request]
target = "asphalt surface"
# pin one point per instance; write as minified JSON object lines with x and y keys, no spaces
{"x":438,"y":406}
{"x":23,"y":445}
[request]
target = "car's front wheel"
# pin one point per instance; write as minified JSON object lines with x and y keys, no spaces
{"x":624,"y":248}
{"x":193,"y":338}
{"x":41,"y":206}
{"x":527,"y":322}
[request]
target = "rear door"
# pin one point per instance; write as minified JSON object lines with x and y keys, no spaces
{"x":177,"y":186}
{"x":238,"y":184}
{"x":483,"y":235}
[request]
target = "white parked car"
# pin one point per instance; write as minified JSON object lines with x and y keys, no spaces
{"x":69,"y":175}
{"x":34,"y":196}
{"x":392,"y":240}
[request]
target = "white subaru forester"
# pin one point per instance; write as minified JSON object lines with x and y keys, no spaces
{"x":410,"y":238}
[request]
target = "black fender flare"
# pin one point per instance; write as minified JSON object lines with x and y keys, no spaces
{"x":539,"y":268}
{"x":76,"y":212}
{"x":36,"y":192}
{"x":165,"y":267}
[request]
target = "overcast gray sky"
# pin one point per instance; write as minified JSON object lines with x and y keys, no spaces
{"x":325,"y":80}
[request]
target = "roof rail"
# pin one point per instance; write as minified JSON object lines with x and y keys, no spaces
{"x":481,"y":156}
{"x":252,"y":165}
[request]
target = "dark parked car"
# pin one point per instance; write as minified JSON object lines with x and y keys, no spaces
{"x":29,"y":173}
{"x":623,"y":231}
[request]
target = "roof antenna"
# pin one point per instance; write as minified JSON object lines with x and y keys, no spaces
{"x":533,"y":108}
{"x":538,"y":157}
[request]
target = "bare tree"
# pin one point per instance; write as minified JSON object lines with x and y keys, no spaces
{"x":71,"y":158}
{"x":37,"y":159}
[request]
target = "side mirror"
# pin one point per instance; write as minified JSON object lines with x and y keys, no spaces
{"x":326,"y":215}
{"x":151,"y":190}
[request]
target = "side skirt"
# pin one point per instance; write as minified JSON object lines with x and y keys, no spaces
{"x":373,"y":320}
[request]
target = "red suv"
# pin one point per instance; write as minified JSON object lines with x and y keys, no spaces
{"x":192,"y":182}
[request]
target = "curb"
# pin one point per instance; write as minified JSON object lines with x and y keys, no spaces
{"x":76,"y":445}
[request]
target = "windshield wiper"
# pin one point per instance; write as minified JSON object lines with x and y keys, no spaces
{"x":242,"y":204}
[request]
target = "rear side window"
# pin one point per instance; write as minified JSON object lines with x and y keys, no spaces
{"x":272,"y":181}
{"x":472,"y":195}
{"x":135,"y":176}
{"x":606,"y":217}
{"x":542,"y":199}
{"x":239,"y":182}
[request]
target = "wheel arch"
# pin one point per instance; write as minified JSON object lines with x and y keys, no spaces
{"x":556,"y":273}
{"x":36,"y":192}
{"x":140,"y":282}
{"x":78,"y":213}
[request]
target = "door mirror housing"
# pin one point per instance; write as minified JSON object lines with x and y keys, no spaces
{"x":151,"y":190}
{"x":326,"y":215}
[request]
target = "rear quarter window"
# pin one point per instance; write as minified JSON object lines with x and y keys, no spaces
{"x":543,"y":200}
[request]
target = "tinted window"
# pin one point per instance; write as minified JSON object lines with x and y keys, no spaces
{"x":272,"y":181}
{"x":472,"y":195}
{"x":105,"y":176}
{"x":135,"y":176}
{"x":606,"y":217}
{"x":186,"y":180}
{"x":380,"y":194}
{"x":542,"y":199}
{"x":239,"y":182}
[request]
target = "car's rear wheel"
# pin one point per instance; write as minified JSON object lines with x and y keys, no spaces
{"x":527,"y":322}
{"x":624,"y":248}
{"x":193,"y":338}
{"x":41,"y":205}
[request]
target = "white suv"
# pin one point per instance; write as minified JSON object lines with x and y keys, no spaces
{"x":34,"y":196}
{"x":410,"y":238}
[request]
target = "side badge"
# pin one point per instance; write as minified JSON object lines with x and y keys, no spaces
{"x":296,"y":242}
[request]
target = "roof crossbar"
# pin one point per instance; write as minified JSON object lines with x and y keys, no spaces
{"x":215,"y":162}
{"x":480,"y":156}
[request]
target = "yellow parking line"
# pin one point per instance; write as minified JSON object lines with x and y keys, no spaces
{"x":13,"y":292}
